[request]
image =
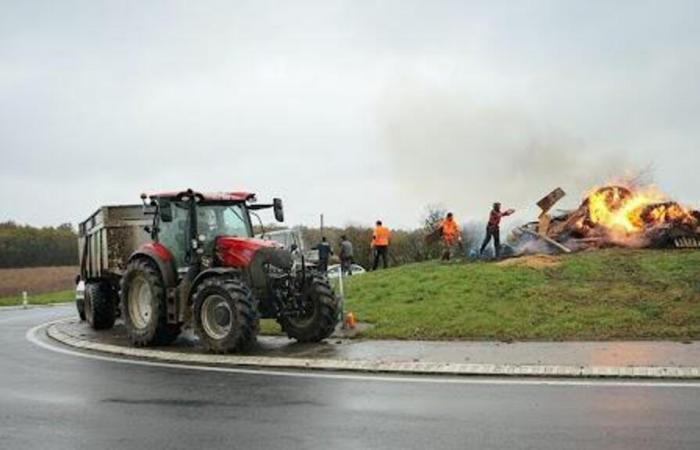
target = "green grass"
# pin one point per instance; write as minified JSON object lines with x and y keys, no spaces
{"x":270,"y":327}
{"x":40,"y":299}
{"x":611,"y":294}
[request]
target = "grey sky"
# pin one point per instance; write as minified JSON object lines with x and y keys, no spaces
{"x":358,"y":109}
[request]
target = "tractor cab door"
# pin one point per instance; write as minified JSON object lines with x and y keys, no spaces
{"x":173,"y":234}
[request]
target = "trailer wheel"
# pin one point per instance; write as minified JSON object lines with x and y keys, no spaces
{"x":225,"y":315}
{"x":322,"y":310}
{"x":99,"y":305}
{"x":143,"y":305}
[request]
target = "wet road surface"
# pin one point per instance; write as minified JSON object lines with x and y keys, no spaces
{"x":59,"y":401}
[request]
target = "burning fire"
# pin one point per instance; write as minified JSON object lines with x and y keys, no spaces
{"x":623,"y":212}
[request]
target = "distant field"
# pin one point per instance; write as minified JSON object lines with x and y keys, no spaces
{"x":37,"y":280}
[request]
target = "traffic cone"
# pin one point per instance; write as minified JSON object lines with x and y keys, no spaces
{"x":350,"y":321}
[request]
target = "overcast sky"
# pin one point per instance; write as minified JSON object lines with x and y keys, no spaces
{"x":358,"y":109}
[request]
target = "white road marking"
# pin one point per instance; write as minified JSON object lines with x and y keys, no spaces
{"x":32,"y":336}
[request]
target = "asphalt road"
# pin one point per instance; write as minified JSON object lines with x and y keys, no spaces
{"x":59,"y":401}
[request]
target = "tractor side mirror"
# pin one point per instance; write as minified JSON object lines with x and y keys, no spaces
{"x":278,"y":209}
{"x":166,"y":211}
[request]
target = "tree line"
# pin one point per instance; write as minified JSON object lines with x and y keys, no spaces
{"x":27,"y":246}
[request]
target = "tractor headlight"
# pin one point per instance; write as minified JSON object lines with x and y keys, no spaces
{"x":206,"y":261}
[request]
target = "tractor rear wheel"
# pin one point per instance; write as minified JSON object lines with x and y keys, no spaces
{"x":225,"y":315}
{"x":321,"y":313}
{"x":99,"y":305}
{"x":144,"y":305}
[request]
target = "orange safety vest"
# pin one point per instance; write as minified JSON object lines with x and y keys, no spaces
{"x":381,"y":237}
{"x":450,"y":231}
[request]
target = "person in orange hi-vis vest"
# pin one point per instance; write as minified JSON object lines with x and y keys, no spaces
{"x":380,"y":244}
{"x":451,"y":236}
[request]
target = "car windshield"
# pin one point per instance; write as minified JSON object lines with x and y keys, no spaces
{"x":217,"y":219}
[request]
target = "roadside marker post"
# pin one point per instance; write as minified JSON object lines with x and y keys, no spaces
{"x":342,"y":296}
{"x":25,"y":300}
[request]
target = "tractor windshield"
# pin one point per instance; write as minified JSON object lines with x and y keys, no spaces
{"x":223,"y":219}
{"x":213,"y":220}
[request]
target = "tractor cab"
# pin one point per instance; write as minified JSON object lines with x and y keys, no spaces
{"x":199,"y":228}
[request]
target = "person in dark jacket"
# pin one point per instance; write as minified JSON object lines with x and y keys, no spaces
{"x":324,"y":253}
{"x":493,"y":229}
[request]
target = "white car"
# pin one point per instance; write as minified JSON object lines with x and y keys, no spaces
{"x":334,"y":270}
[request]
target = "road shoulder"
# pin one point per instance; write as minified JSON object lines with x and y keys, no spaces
{"x":65,"y":332}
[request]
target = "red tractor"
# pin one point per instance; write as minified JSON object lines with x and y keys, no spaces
{"x":190,"y":258}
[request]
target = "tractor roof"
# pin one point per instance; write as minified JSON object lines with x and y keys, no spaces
{"x":212,"y":196}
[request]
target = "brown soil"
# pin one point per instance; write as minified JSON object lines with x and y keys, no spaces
{"x":533,"y":261}
{"x":37,"y":280}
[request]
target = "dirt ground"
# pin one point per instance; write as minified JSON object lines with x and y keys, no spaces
{"x":533,"y":261}
{"x":37,"y":280}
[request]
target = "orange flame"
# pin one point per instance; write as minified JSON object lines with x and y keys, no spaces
{"x":626,"y":212}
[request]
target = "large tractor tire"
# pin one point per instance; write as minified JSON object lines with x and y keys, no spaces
{"x":99,"y":305}
{"x":225,"y":315}
{"x":321,"y":317}
{"x":144,"y":305}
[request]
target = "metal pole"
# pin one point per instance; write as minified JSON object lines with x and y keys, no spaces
{"x":321,"y":224}
{"x":342,"y":297}
{"x":340,"y":281}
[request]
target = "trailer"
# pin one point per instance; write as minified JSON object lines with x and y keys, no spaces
{"x":106,"y":240}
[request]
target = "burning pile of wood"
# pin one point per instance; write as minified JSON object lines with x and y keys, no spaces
{"x":610,"y":216}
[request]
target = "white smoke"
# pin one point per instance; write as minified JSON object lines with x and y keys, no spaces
{"x":444,"y":147}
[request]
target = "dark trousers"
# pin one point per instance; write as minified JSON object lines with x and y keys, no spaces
{"x":495,"y":233}
{"x":346,"y":264}
{"x":323,"y":265}
{"x":380,"y":251}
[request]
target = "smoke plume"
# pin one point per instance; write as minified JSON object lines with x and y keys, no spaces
{"x":445,"y":148}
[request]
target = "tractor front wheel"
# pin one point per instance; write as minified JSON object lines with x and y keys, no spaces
{"x":225,"y":315}
{"x":320,"y":316}
{"x":144,"y":305}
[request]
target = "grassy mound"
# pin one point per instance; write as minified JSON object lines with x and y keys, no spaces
{"x":611,"y":294}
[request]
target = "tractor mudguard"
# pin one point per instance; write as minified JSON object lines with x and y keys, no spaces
{"x":214,"y":272}
{"x":163,"y":259}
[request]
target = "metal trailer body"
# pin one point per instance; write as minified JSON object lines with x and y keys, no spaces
{"x":108,"y":237}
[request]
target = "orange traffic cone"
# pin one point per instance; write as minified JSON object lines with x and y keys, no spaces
{"x":350,"y":321}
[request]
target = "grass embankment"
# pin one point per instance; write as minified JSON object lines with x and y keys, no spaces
{"x":611,"y":294}
{"x":40,"y":299}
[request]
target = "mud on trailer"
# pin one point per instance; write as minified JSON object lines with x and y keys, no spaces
{"x":190,"y":259}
